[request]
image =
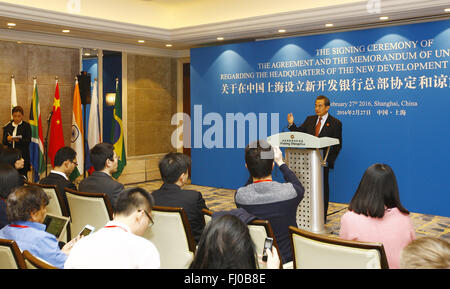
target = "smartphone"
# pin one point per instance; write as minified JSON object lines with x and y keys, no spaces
{"x":88,"y":229}
{"x":268,"y":242}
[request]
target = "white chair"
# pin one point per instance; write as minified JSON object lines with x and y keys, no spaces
{"x":259,"y":231}
{"x":207,"y":215}
{"x":56,"y":205}
{"x":314,"y":251}
{"x":34,"y":262}
{"x":88,"y":208}
{"x":172,"y":236}
{"x":10,"y":255}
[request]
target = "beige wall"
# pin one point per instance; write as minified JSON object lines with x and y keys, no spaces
{"x":152,"y":100}
{"x":44,"y":62}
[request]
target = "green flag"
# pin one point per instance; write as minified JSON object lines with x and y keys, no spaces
{"x":117,"y":133}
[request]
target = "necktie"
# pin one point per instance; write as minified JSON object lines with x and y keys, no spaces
{"x":319,"y":123}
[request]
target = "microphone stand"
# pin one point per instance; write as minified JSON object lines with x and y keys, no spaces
{"x":46,"y":141}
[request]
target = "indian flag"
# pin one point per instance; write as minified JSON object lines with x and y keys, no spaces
{"x":77,"y":133}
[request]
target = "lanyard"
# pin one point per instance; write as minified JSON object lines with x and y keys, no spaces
{"x":18,"y":226}
{"x":116,"y":227}
{"x":260,"y":181}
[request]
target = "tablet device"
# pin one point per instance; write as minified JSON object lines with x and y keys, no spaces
{"x":56,"y":225}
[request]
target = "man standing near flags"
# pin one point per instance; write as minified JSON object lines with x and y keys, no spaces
{"x":17,"y":134}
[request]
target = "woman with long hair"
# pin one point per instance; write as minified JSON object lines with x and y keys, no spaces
{"x":226,"y":244}
{"x":377,"y":215}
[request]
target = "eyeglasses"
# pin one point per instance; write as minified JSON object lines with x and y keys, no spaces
{"x":75,"y":163}
{"x":149,"y":217}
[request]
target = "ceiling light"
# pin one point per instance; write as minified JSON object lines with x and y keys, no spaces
{"x":65,"y":31}
{"x":10,"y":24}
{"x":87,"y":54}
{"x":220,"y":38}
{"x":329,"y":25}
{"x":384,"y":18}
{"x":141,"y":41}
{"x":168,"y":45}
{"x":447,"y":10}
{"x":281,"y":30}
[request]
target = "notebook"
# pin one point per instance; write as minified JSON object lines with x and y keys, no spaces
{"x":56,"y":225}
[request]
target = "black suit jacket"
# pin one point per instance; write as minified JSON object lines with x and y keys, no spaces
{"x":171,"y":195}
{"x":60,"y":182}
{"x":100,"y":182}
{"x":331,"y":128}
{"x":24,"y":129}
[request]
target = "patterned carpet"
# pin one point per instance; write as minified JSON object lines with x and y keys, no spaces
{"x":218,"y":199}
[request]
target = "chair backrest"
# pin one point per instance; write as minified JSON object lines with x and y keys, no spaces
{"x":10,"y":255}
{"x":88,"y":208}
{"x":34,"y":262}
{"x":56,"y":205}
{"x":259,"y":230}
{"x":207,"y":215}
{"x":314,"y":251}
{"x":172,"y":236}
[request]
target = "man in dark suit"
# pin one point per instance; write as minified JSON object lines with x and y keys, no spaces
{"x":104,"y":160}
{"x":322,"y":125}
{"x":174,"y":172}
{"x":17,"y":134}
{"x":65,"y":162}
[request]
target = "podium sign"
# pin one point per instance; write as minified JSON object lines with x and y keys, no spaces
{"x":300,"y":140}
{"x":303,"y":157}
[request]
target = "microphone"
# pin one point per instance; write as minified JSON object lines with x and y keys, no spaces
{"x":50,"y":116}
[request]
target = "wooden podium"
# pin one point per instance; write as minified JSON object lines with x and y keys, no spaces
{"x":303,"y":156}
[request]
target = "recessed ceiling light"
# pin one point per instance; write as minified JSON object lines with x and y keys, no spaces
{"x":329,"y":25}
{"x":282,"y":30}
{"x":10,"y":24}
{"x":87,"y":54}
{"x":384,"y":18}
{"x":141,"y":41}
{"x":168,"y":45}
{"x":447,"y":10}
{"x":220,"y":38}
{"x":65,"y":31}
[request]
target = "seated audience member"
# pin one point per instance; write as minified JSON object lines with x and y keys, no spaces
{"x":376,"y":214}
{"x":174,"y":172}
{"x":226,"y":244}
{"x":13,"y":157}
{"x":10,"y":179}
{"x":104,"y":160}
{"x":426,"y":253}
{"x":26,"y":210}
{"x":119,"y":244}
{"x":65,"y":162}
{"x":271,"y":200}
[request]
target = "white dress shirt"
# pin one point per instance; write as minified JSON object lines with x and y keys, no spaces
{"x":113,"y":246}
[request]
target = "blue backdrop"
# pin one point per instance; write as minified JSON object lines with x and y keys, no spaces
{"x":389,"y":86}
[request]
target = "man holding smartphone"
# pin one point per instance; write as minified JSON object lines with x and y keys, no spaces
{"x":268,"y":199}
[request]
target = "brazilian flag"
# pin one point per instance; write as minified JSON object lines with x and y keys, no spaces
{"x":117,"y":133}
